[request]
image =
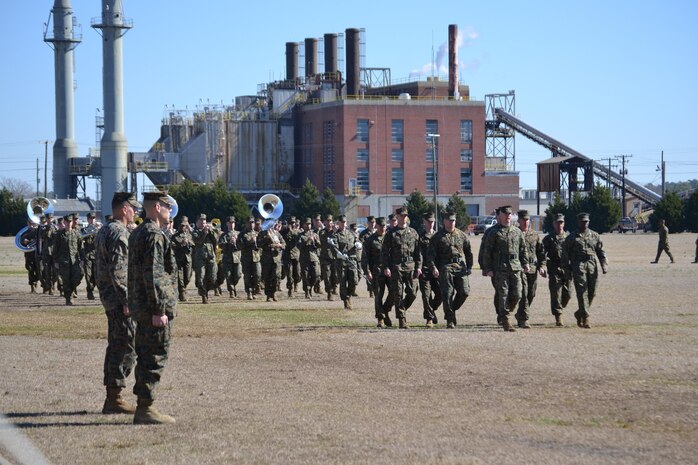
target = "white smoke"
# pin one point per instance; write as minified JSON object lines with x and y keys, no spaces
{"x":465,"y":38}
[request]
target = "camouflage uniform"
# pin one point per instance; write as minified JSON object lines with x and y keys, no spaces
{"x":579,"y":255}
{"x":47,"y":233}
{"x":529,"y":281}
{"x":327,"y":270}
{"x":371,"y":262}
{"x":401,"y":254}
{"x":363,"y":237}
{"x":67,"y":256}
{"x":663,"y":245}
{"x":558,"y":282}
{"x":28,"y":236}
{"x":345,"y":265}
{"x":111,"y":279}
{"x":291,"y":256}
{"x":308,"y":245}
{"x":452,"y":256}
{"x":481,"y":264}
{"x":505,"y":256}
{"x":182,"y":244}
{"x":250,"y":256}
{"x":231,"y":266}
{"x":272,"y":245}
{"x":88,"y":264}
{"x":151,"y":292}
{"x":428,"y":284}
{"x":204,"y":259}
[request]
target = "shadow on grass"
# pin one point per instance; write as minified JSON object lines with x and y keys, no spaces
{"x":99,"y":421}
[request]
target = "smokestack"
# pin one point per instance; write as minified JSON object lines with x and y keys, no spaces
{"x":330,"y":53}
{"x":65,"y":149}
{"x":291,"y":61}
{"x":353,"y":61}
{"x":453,"y":61}
{"x":310,"y":57}
{"x":114,"y":146}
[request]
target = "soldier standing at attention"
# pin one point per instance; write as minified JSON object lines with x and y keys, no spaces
{"x":88,"y":254}
{"x":151,"y":301}
{"x":327,"y":271}
{"x":308,"y":247}
{"x":558,"y":282}
{"x":67,"y":252}
{"x":47,"y":236}
{"x":451,"y":261}
{"x":504,"y":258}
{"x":663,"y":245}
{"x":250,"y":256}
{"x":272,"y":245}
{"x":428,"y":282}
{"x":373,"y":270}
{"x":292,"y":256}
{"x":111,"y":279}
{"x":579,"y":254}
{"x":182,"y":244}
{"x":529,"y":281}
{"x":363,"y":235}
{"x":204,"y":257}
{"x":231,"y":267}
{"x":402,"y":260}
{"x":345,"y":265}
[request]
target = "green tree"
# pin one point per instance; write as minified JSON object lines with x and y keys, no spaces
{"x":691,"y":212}
{"x":669,"y":208}
{"x":458,"y":205}
{"x":213,"y":199}
{"x":558,"y":206}
{"x":13,"y":213}
{"x":308,"y":203}
{"x":417,"y":206}
{"x":328,"y":203}
{"x":603,"y":209}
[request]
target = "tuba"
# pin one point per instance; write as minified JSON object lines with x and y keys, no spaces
{"x":271,"y":208}
{"x":38,"y":206}
{"x":18,"y":241}
{"x":175,"y":208}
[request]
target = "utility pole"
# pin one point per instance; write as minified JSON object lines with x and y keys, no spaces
{"x":663,"y":175}
{"x":45,"y":142}
{"x":608,"y":177}
{"x":623,"y":172}
{"x":38,"y":177}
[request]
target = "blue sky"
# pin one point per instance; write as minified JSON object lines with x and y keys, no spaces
{"x":606,"y":78}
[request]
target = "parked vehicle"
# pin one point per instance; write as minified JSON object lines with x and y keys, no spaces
{"x":484,"y":225}
{"x":627,"y":224}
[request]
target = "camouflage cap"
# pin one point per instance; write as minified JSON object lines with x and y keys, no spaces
{"x":258,"y":221}
{"x":318,"y":217}
{"x":158,"y":196}
{"x":250,"y":219}
{"x":129,"y":197}
{"x":201,"y":216}
{"x":76,"y":216}
{"x":329,"y":218}
{"x":184,"y":219}
{"x":505,"y":209}
{"x":391,"y":217}
{"x":450,"y":215}
{"x":559,"y":217}
{"x":583,"y":216}
{"x":230,"y":219}
{"x":293,"y":219}
{"x":91,"y":215}
{"x":342,"y":218}
{"x":380,"y":221}
{"x":68,"y":217}
{"x":429,"y":216}
{"x":307,"y":221}
{"x":370,"y":218}
{"x":401,"y":211}
{"x":523,"y":214}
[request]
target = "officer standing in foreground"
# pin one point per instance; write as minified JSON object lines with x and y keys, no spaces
{"x":182,"y":244}
{"x":558,"y":282}
{"x":373,"y":270}
{"x":451,"y":261}
{"x":402,"y":260}
{"x":504,"y":258}
{"x":529,"y":281}
{"x":579,"y":254}
{"x":663,"y":245}
{"x":151,"y":301}
{"x":428,"y":282}
{"x":204,"y":257}
{"x":111,"y":279}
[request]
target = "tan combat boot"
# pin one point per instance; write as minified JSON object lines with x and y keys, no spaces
{"x":585,"y":323}
{"x":506,"y":326}
{"x":347,"y":303}
{"x":403,"y":323}
{"x":329,"y":296}
{"x":380,"y":324}
{"x":115,"y":403}
{"x":147,"y":415}
{"x":386,"y":319}
{"x":33,"y":288}
{"x":524,"y":324}
{"x":429,"y":324}
{"x":558,"y":320}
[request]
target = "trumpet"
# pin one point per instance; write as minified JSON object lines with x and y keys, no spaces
{"x":216,"y":223}
{"x":91,"y":229}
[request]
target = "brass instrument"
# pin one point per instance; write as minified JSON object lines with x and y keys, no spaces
{"x":91,"y":229}
{"x":271,"y":208}
{"x":174,"y":209}
{"x":35,"y":207}
{"x":216,"y":223}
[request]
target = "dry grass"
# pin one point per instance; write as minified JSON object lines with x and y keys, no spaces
{"x":306,"y":382}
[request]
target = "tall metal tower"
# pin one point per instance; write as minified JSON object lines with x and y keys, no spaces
{"x":63,"y":41}
{"x":500,"y":143}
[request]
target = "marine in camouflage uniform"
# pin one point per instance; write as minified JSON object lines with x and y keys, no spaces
{"x":88,"y":255}
{"x":480,"y":261}
{"x":529,"y":281}
{"x":318,"y":228}
{"x":308,"y":246}
{"x":663,"y":245}
{"x":363,"y":236}
{"x":111,"y":279}
{"x":504,"y":258}
{"x":327,"y":270}
{"x":231,"y":266}
{"x":152,"y":300}
{"x":291,"y":256}
{"x":251,"y":268}
{"x":30,"y":264}
{"x":558,"y":282}
{"x":67,"y":258}
{"x":343,"y":249}
{"x":450,"y":260}
{"x":47,"y":233}
{"x":183,"y":244}
{"x":428,"y":283}
{"x":373,"y":270}
{"x":272,"y":245}
{"x":402,"y":259}
{"x":579,"y":257}
{"x":204,"y":256}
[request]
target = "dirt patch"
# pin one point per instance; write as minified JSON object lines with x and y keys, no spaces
{"x":302,"y":381}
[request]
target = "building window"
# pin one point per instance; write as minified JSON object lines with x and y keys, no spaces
{"x":466,"y":155}
{"x":328,"y":155}
{"x":328,"y":130}
{"x":429,"y":154}
{"x":430,"y":180}
{"x":466,"y":131}
{"x":466,"y":179}
{"x":308,"y":139}
{"x":398,"y":131}
{"x":329,"y":179}
{"x":398,"y":179}
{"x":432,"y":127}
{"x":362,"y":154}
{"x":362,"y":179}
{"x":397,"y":155}
{"x":362,"y":130}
